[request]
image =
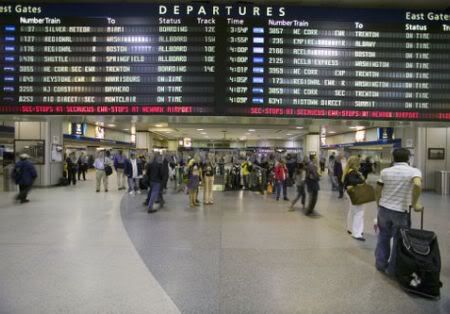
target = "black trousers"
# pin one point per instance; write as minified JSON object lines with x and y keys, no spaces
{"x":71,"y":176}
{"x":341,"y":189}
{"x":312,"y":201}
{"x":82,"y":171}
{"x":23,"y":192}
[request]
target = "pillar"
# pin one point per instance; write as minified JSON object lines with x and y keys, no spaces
{"x":144,"y":140}
{"x":312,"y":144}
{"x":51,"y":132}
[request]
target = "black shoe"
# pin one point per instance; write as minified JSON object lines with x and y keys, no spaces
{"x":145,"y":204}
{"x":151,"y":211}
{"x":349,"y":232}
{"x":24,"y":201}
{"x":286,"y":199}
{"x":340,"y":197}
{"x":106,"y":190}
{"x":97,"y":191}
{"x":359,"y":239}
{"x":278,"y":198}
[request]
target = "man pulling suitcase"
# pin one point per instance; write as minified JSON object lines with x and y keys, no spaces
{"x":414,"y":258}
{"x":397,"y":188}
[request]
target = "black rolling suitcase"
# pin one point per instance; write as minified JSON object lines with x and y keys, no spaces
{"x":418,"y":264}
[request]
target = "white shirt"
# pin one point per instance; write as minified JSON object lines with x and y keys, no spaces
{"x":134,"y":168}
{"x":397,"y":186}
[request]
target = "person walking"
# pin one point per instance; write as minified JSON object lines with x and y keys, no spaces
{"x":165,"y":179}
{"x":366,"y":168}
{"x":133,"y":171}
{"x":331,"y":162}
{"x":338,"y":173}
{"x":398,"y":188}
{"x":82,"y":163}
{"x":193,"y":183}
{"x":100,"y":163}
{"x":312,"y":179}
{"x":24,"y":175}
{"x":355,"y":215}
{"x":208,"y":182}
{"x":299,"y":179}
{"x":119,"y":166}
{"x":154,"y":173}
{"x":245,"y":173}
{"x":71,"y":168}
{"x":281,"y":175}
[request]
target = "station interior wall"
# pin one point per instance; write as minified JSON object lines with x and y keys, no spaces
{"x":433,"y":138}
{"x":110,"y":134}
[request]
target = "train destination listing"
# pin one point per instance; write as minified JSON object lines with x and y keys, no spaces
{"x":228,"y":59}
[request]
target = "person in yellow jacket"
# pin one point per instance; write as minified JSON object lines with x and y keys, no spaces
{"x":246,"y":168}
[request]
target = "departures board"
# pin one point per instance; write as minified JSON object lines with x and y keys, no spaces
{"x":236,"y":59}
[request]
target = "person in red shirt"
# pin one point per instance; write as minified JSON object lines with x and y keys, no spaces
{"x":281,"y":176}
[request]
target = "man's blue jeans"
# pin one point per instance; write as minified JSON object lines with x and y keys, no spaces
{"x":154,"y":193}
{"x":281,"y":185}
{"x":389,"y":222}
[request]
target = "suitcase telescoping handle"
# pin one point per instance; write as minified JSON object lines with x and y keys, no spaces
{"x":421,"y":216}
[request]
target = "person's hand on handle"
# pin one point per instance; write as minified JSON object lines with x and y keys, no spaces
{"x":418,"y":207}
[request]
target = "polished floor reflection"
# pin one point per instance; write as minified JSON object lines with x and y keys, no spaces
{"x":71,"y":250}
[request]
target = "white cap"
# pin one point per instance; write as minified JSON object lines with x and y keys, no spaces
{"x":24,"y":156}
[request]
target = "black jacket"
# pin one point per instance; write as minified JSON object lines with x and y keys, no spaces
{"x":154,"y":172}
{"x":353,"y":178}
{"x":24,"y":172}
{"x":338,"y":170}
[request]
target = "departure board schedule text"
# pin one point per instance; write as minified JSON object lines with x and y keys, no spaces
{"x":239,"y":59}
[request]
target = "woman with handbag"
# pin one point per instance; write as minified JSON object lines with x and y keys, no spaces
{"x":355,"y":217}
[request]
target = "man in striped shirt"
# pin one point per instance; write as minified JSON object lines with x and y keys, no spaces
{"x":398,"y":188}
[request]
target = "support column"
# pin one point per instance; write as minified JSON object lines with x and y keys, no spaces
{"x":312,"y":145}
{"x":144,"y":140}
{"x":51,"y":132}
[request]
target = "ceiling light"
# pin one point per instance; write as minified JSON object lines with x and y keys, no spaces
{"x":200,"y":129}
{"x":167,"y":131}
{"x":289,"y":134}
{"x":159,"y":125}
{"x":331,"y":132}
{"x":251,"y":130}
{"x":111,"y":125}
{"x":299,"y":127}
{"x":204,"y":133}
{"x":126,"y":129}
{"x":358,"y":127}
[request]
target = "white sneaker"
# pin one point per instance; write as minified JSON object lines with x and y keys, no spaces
{"x":131,"y":192}
{"x":139,"y":192}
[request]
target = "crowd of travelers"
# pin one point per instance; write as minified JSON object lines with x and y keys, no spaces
{"x":397,"y":189}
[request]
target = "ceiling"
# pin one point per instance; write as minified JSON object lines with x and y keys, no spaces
{"x":234,"y":128}
{"x":229,"y":134}
{"x":174,"y":127}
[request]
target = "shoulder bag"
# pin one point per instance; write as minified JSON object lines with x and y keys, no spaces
{"x":361,"y":193}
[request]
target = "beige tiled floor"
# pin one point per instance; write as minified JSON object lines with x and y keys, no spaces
{"x":71,"y":250}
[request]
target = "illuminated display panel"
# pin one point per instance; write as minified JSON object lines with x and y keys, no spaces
{"x":205,"y":59}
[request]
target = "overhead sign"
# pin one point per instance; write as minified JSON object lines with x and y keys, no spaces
{"x":224,"y":59}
